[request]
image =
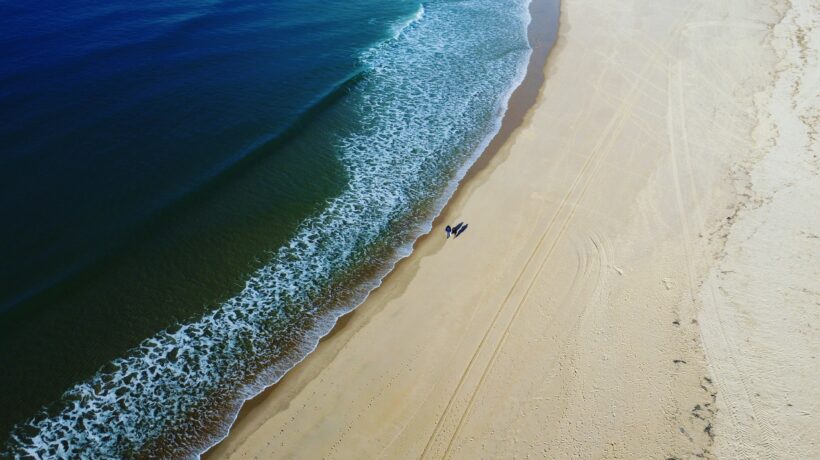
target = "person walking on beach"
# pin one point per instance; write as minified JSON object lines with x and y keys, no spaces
{"x":448,"y":230}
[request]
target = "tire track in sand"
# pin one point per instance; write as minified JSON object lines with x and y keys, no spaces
{"x":594,"y":161}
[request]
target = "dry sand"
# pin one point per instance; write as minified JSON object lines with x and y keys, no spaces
{"x":641,"y":274}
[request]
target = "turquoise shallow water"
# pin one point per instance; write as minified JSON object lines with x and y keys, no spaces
{"x":222,"y":182}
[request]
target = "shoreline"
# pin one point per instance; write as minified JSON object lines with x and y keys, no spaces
{"x":521,"y":101}
{"x":618,"y":266}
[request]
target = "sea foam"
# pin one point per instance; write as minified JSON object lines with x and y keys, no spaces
{"x":415,"y":18}
{"x":430,"y":99}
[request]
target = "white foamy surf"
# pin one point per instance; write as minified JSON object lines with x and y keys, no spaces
{"x":432,"y":98}
{"x":415,"y":18}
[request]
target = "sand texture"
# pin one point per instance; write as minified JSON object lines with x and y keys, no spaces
{"x":640,"y":277}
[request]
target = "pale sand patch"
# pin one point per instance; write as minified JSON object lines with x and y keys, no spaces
{"x":761,"y":301}
{"x":566,"y":322}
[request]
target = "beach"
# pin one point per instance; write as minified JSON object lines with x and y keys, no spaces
{"x":640,"y":277}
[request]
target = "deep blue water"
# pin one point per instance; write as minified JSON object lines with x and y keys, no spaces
{"x":113,"y":110}
{"x":191,"y":192}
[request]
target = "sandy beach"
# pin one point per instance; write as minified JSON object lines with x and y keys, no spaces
{"x":641,"y":273}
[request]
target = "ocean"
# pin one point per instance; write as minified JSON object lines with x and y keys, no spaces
{"x":193,"y":192}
